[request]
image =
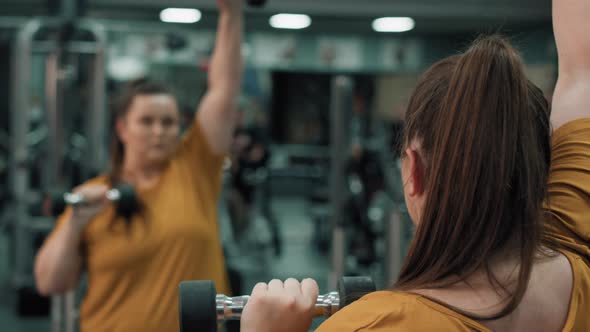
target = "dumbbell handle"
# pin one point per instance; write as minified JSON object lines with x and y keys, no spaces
{"x":231,"y":308}
{"x":75,"y":199}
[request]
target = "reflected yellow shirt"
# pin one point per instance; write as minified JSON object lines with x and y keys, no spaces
{"x":133,"y":275}
{"x":569,"y":197}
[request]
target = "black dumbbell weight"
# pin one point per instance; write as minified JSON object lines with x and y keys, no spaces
{"x":256,"y":3}
{"x":123,"y":196}
{"x":202,"y":309}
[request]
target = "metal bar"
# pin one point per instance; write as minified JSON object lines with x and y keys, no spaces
{"x":340,"y":113}
{"x":56,"y":313}
{"x":77,"y":47}
{"x":83,"y":48}
{"x":70,"y":311}
{"x":19,"y":163}
{"x":50,"y":179}
{"x":137,"y":26}
{"x":20,"y":168}
{"x":53,"y":118}
{"x":68,"y":9}
{"x":393,"y":262}
{"x":44,"y":47}
{"x":15,"y":22}
{"x":97,"y":120}
{"x":113,"y":25}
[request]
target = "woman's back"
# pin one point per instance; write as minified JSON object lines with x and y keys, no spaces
{"x":553,"y":303}
{"x":544,"y":307}
{"x":558,"y":295}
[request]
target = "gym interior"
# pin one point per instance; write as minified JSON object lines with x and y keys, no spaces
{"x":314,"y":191}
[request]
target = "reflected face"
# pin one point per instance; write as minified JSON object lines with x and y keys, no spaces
{"x":151,"y":128}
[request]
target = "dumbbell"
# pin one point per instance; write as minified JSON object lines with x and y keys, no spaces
{"x":201,"y":308}
{"x":123,"y":195}
{"x":256,"y":3}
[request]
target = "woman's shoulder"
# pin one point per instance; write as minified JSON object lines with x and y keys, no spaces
{"x":578,"y":127}
{"x":393,"y":311}
{"x":580,"y":268}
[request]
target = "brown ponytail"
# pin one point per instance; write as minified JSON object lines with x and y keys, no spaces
{"x":485,"y":134}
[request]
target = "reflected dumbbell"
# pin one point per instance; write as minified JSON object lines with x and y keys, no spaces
{"x":202,"y":309}
{"x":256,"y":3}
{"x":123,"y":196}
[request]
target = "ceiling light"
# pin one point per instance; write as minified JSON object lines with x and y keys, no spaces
{"x":393,"y":24}
{"x":290,"y":21}
{"x":127,"y":68}
{"x":180,"y":15}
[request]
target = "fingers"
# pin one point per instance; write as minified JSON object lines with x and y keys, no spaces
{"x":280,"y":306}
{"x":275,"y":286}
{"x":293,"y":287}
{"x":309,"y":287}
{"x":92,"y":194}
{"x":93,"y":202}
{"x":91,"y":189}
{"x":310,"y":290}
{"x":259,"y":289}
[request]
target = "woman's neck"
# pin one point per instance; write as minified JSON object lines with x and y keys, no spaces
{"x":141,"y":174}
{"x":478,"y":294}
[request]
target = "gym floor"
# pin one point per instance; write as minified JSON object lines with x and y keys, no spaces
{"x":299,"y":260}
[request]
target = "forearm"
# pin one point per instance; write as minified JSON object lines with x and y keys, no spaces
{"x":226,"y":64}
{"x":217,"y":111}
{"x":571,"y":26}
{"x":58,"y":264}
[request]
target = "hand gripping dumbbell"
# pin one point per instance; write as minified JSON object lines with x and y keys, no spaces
{"x":122,"y":195}
{"x":201,"y":308}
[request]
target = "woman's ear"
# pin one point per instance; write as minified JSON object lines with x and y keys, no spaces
{"x":416,"y":174}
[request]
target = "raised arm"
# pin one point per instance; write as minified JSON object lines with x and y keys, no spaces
{"x":569,"y":176}
{"x":571,"y":24}
{"x":217,"y":112}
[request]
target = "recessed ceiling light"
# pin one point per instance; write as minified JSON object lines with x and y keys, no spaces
{"x":290,"y":21}
{"x":394,"y":24}
{"x":180,"y":15}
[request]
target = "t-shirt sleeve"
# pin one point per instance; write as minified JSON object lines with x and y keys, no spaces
{"x":569,"y":187}
{"x":383,"y":312}
{"x":358,"y":316}
{"x":194,"y":154}
{"x":60,"y":222}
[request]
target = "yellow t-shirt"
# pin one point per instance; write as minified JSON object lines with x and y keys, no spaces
{"x":569,"y":206}
{"x":133,"y":276}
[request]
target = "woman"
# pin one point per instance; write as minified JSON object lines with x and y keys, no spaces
{"x":134,"y":267}
{"x":487,"y":255}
